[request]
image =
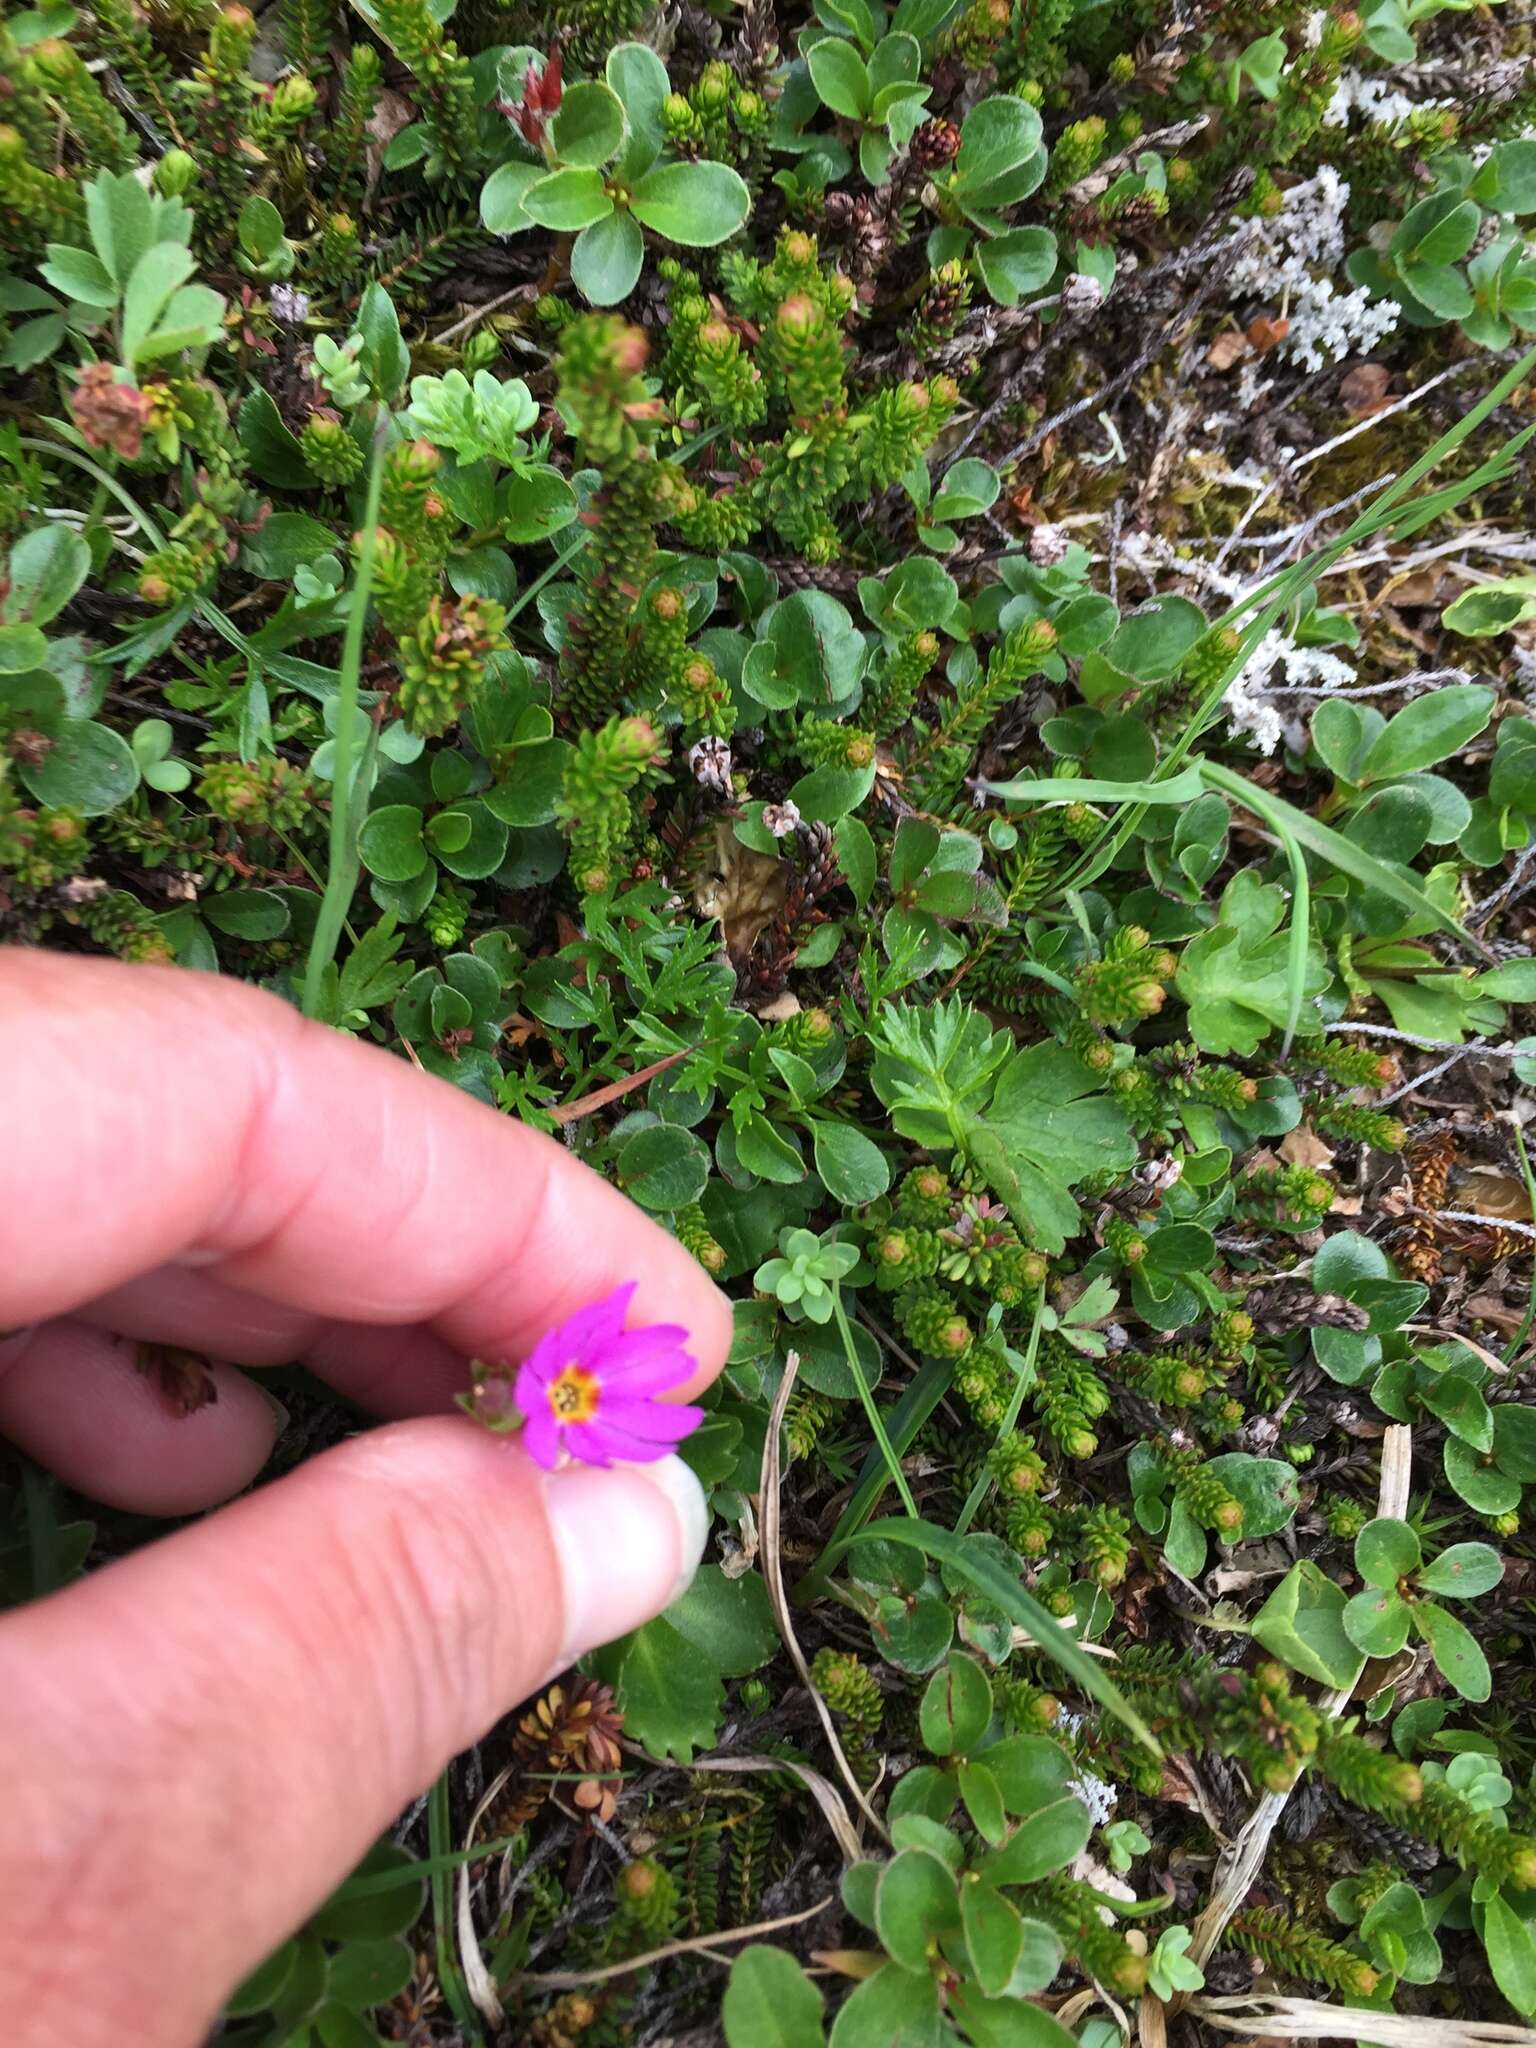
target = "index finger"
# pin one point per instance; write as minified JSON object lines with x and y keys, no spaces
{"x":158,"y":1114}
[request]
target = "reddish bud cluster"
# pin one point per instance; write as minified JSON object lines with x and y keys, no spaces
{"x":542,"y":92}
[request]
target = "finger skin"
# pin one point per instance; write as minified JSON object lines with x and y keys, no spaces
{"x":216,"y":1728}
{"x":209,"y":1123}
{"x":71,"y":1397}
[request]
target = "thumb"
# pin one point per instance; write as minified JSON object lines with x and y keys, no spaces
{"x":210,"y":1733}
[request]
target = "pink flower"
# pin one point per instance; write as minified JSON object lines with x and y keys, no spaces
{"x":589,"y":1388}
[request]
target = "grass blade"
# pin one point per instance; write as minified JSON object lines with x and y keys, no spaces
{"x":348,"y":796}
{"x":1022,"y":1609}
{"x":1286,"y":822}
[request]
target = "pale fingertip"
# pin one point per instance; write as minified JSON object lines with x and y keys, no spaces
{"x":628,"y":1540}
{"x":678,"y":1481}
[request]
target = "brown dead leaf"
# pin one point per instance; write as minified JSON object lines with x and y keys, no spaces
{"x":1228,"y":349}
{"x":392,"y":112}
{"x":1424,"y":587}
{"x":781,"y":1007}
{"x":1490,"y":1192}
{"x":182,"y":1377}
{"x":1266,"y":333}
{"x":743,"y":889}
{"x":1490,"y":1308}
{"x":1365,"y":389}
{"x":1303,"y":1147}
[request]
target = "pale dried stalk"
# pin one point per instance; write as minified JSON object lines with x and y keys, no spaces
{"x":822,"y":1790}
{"x":700,"y":1945}
{"x":1312,"y":2019}
{"x":1239,"y":1864}
{"x":773,"y":1579}
{"x":477,"y":1978}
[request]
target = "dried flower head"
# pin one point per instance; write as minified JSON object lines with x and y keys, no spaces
{"x":109,"y":414}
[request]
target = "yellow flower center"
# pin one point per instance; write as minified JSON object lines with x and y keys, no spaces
{"x":573,"y":1394}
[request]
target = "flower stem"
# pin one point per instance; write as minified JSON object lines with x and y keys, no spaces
{"x":892,"y":1462}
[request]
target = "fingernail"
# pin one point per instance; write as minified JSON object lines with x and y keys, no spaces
{"x":628,"y":1540}
{"x":279,"y":1413}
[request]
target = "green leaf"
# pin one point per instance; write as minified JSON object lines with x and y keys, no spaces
{"x":121,"y":214}
{"x":915,"y":1902}
{"x":983,"y":1801}
{"x":1377,"y":1622}
{"x":390,"y":843}
{"x":1302,"y":1623}
{"x":80,"y":276}
{"x":606,"y":259}
{"x":1042,"y":1843}
{"x":1236,"y":978}
{"x":89,"y":768}
{"x":994,"y":1935}
{"x":1511,"y":1953}
{"x":1183,"y":788}
{"x":663,"y":1167}
{"x":335,"y":2026}
{"x":384,"y":355}
{"x":1045,"y":1130}
{"x":1438,"y":231}
{"x":827,"y":794}
{"x":697,"y":204}
{"x":1334,"y":848}
{"x":894,"y":2008}
{"x":159,"y":272}
{"x":840,"y":77}
{"x":567,"y":200}
{"x":1514,"y":1440}
{"x":770,"y":2002}
{"x":639,"y":78}
{"x":1480,"y":1483}
{"x":368,"y":1973}
{"x":956,"y":1707}
{"x":1459,"y":1404}
{"x":1490,"y":608}
{"x":384,"y":1896}
{"x":46,"y":568}
{"x":856,"y":857}
{"x":252,"y":914}
{"x":22,"y":649}
{"x":502,"y":209}
{"x":999,"y":136}
{"x":989,"y":1579}
{"x":272,"y":446}
{"x":284,"y":541}
{"x":1454,"y":1649}
{"x":669,"y":1675}
{"x":1009,"y":2022}
{"x":1462,"y":1571}
{"x":588,"y":127}
{"x":1029,"y":1771}
{"x":1432,"y":728}
{"x":536,"y":500}
{"x":1387,"y":1550}
{"x":265,"y":1984}
{"x":1014,"y":264}
{"x":852,"y":1168}
{"x":1151,"y":642}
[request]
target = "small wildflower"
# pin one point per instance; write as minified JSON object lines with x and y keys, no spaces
{"x":589,"y":1389}
{"x":781,"y":819}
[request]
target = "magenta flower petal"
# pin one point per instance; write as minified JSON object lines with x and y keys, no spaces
{"x":588,"y":1388}
{"x":541,"y":1436}
{"x":658,"y":1419}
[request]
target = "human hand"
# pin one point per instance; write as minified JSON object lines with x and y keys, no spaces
{"x":201,"y":1740}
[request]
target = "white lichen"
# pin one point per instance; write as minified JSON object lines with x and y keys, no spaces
{"x":1288,"y":259}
